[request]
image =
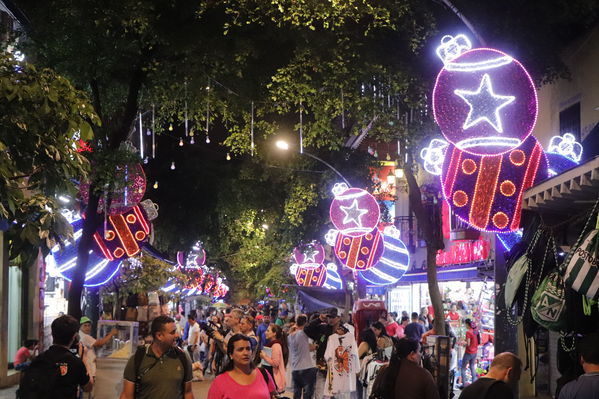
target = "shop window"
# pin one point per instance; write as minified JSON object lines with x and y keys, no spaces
{"x":569,"y":121}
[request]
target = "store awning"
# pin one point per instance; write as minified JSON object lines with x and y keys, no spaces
{"x":570,"y":192}
{"x":467,"y":272}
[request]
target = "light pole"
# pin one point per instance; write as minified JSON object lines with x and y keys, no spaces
{"x":283,"y":145}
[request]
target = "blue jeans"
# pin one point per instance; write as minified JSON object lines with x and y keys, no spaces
{"x":304,"y":380}
{"x":469,"y":359}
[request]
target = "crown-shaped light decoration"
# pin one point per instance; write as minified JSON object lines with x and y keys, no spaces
{"x":331,"y":237}
{"x":331,"y":266}
{"x":392,"y":231}
{"x":452,"y":47}
{"x":293,"y":268}
{"x":433,"y":156}
{"x":339,"y":188}
{"x":566,"y":146}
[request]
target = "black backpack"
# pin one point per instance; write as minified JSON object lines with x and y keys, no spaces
{"x":40,"y":378}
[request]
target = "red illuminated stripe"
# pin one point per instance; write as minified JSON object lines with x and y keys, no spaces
{"x":456,"y":156}
{"x":529,"y":179}
{"x":375,"y":244}
{"x":142,"y":219}
{"x":102,"y":247}
{"x":354,"y":251}
{"x":125,"y":235}
{"x":484,"y":191}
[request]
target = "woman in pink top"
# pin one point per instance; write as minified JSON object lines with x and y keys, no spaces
{"x":241,"y":379}
{"x":278,"y":343}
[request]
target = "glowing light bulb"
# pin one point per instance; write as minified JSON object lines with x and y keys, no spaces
{"x":191,"y":133}
{"x":156,"y":185}
{"x":170,"y":127}
{"x":181,"y":143}
{"x":173,"y":165}
{"x":207,"y":140}
{"x":146,"y":160}
{"x":192,"y":141}
{"x":388,"y":157}
{"x":148,"y":132}
{"x":228,"y":157}
{"x":376,"y":154}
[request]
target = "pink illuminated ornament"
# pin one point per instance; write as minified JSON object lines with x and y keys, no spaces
{"x":130,"y":191}
{"x":486,"y":191}
{"x":354,"y":211}
{"x":360,"y":253}
{"x":123,"y":234}
{"x":314,"y":277}
{"x":309,"y":255}
{"x":485,"y":102}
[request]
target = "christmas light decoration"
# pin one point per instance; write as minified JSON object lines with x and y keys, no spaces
{"x":354,"y":211}
{"x":360,"y":253}
{"x":508,"y":240}
{"x":484,"y":101}
{"x":394,"y":263}
{"x":333,"y":281}
{"x":122,"y":235}
{"x":63,"y":260}
{"x":310,"y":255}
{"x":433,"y":156}
{"x":486,"y":191}
{"x":130,"y":191}
{"x":564,"y":153}
{"x":173,"y":167}
{"x":452,"y":47}
{"x":311,"y":277}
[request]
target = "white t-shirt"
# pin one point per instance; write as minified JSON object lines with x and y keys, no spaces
{"x":343,"y":364}
{"x":194,"y":334}
{"x":90,"y":353}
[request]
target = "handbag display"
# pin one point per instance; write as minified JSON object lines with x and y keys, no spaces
{"x":548,"y":304}
{"x":517,"y":272}
{"x":582,"y":264}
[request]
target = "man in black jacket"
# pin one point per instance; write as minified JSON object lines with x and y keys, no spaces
{"x":502,"y":378}
{"x":319,"y":330}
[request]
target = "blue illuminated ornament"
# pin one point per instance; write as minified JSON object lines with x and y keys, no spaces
{"x":333,"y":280}
{"x":394,"y":263}
{"x":508,"y":240}
{"x":99,"y":269}
{"x":563,"y":153}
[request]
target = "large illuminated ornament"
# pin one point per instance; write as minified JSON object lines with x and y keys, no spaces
{"x":358,"y":253}
{"x":309,"y":255}
{"x":394,"y":263}
{"x":63,"y":261}
{"x":486,"y":191}
{"x":354,"y":211}
{"x":484,"y":101}
{"x":123,"y":234}
{"x":564,"y":153}
{"x":314,"y":277}
{"x":124,"y":198}
{"x":333,"y":281}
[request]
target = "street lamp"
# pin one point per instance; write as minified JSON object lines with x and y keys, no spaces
{"x":284,"y":146}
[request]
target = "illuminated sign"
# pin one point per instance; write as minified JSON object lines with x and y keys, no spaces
{"x":464,"y":252}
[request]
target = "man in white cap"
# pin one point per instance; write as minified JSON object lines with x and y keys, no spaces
{"x":90,"y":343}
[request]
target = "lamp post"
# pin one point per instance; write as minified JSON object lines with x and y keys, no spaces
{"x":283,"y":145}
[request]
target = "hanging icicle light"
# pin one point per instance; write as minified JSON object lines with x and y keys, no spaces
{"x":173,"y":165}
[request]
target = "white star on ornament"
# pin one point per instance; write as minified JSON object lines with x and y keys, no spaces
{"x":484,"y":104}
{"x":310,"y":255}
{"x":353,"y":213}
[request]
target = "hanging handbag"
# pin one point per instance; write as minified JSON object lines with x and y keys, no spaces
{"x":517,"y":272}
{"x":582,"y":264}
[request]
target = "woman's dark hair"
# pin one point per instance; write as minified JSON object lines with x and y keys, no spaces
{"x":281,"y":337}
{"x":379,"y":326}
{"x":401,"y":349}
{"x":231,"y":348}
{"x":368,"y":336}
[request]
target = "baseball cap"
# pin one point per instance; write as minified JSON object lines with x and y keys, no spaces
{"x":332,"y":312}
{"x":84,"y":320}
{"x":259,"y":317}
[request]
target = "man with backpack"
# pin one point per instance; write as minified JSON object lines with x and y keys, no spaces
{"x":57,"y":373}
{"x":160,"y":370}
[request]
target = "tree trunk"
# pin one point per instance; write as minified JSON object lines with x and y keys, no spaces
{"x":90,"y":225}
{"x":434,"y":241}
